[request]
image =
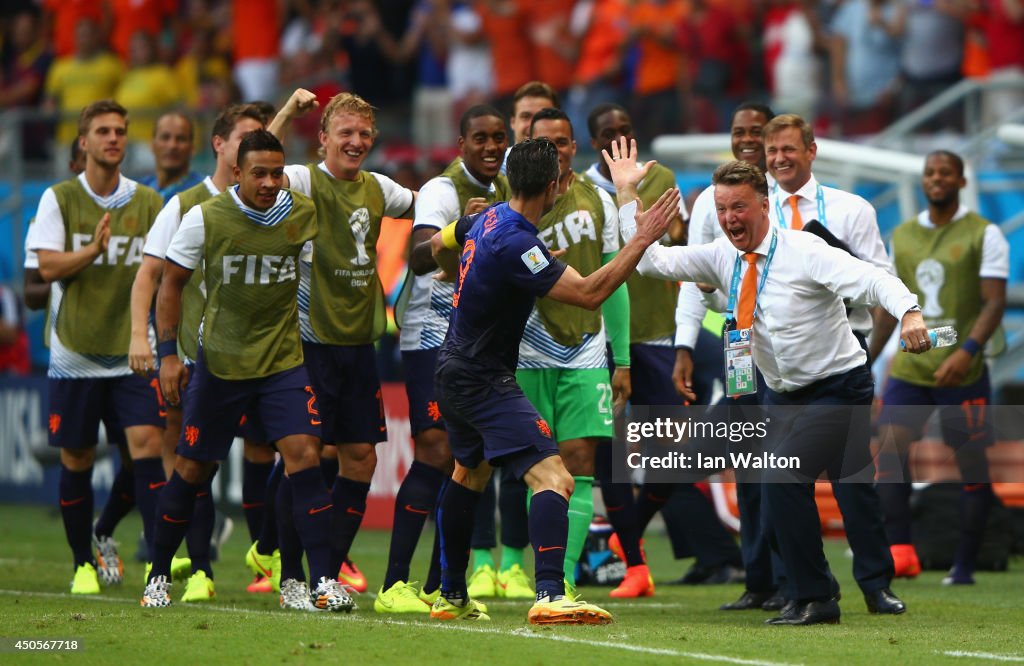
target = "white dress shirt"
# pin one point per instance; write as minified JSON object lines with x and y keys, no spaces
{"x":849,"y":217}
{"x":801,"y":332}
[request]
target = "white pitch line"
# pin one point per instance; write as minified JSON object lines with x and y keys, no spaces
{"x":518,"y":633}
{"x":985,"y":655}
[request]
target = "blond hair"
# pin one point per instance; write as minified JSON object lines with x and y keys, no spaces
{"x":787,"y":120}
{"x":347,"y":103}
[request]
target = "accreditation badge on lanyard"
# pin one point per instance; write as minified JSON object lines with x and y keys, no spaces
{"x":740,"y":373}
{"x":740,"y":378}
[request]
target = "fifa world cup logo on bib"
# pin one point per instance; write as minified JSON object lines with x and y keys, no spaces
{"x":931,"y":276}
{"x":359,"y":222}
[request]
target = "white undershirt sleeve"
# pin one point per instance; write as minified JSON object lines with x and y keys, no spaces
{"x":48,"y":232}
{"x":186,"y":248}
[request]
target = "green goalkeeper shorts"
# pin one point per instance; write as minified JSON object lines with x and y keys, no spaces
{"x":575,"y":402}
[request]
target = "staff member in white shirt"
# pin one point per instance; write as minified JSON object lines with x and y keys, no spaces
{"x":796,"y":199}
{"x":793,"y":311}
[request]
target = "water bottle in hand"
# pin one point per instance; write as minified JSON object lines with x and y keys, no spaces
{"x":943,"y":336}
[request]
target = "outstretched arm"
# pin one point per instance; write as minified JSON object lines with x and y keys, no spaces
{"x":591,"y":291}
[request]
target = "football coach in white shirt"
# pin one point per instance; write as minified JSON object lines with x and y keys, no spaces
{"x":803,"y":345}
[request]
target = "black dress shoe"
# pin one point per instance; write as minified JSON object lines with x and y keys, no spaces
{"x":776,"y":602}
{"x":747,"y":601}
{"x":813,"y":612}
{"x":884,"y":602}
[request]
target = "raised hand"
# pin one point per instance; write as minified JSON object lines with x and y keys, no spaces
{"x":623,"y":166}
{"x":301,"y":102}
{"x":652,"y":224}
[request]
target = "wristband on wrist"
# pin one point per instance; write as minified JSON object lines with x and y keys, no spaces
{"x":685,"y":348}
{"x":971,"y":346}
{"x":167,"y":348}
{"x":448,"y":237}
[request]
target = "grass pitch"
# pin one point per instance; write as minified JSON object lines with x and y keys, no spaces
{"x":979,"y":624}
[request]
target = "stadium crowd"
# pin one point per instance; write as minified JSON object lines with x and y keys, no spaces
{"x":849,"y":66}
{"x":256,"y":304}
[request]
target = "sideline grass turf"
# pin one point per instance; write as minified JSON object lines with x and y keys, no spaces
{"x":677,"y":625}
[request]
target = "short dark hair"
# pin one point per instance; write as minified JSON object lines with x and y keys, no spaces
{"x":256,"y":141}
{"x":536,"y":89}
{"x":551,"y":114}
{"x":756,"y":107}
{"x":264,"y":108}
{"x":599,"y":111}
{"x":179,"y":114}
{"x":98,"y":108}
{"x":957,"y":161}
{"x":532,"y":165}
{"x":477,"y":111}
{"x":738,"y":172}
{"x":229,"y":117}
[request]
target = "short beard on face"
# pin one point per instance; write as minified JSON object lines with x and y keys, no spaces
{"x":108,"y":164}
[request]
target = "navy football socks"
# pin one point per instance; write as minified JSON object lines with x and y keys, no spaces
{"x":416,"y":499}
{"x":349,"y":506}
{"x":254,"y":495}
{"x":149,"y":480}
{"x":76,"y":504}
{"x":289,"y":542}
{"x":197,"y":539}
{"x":174,"y":509}
{"x":120,"y":502}
{"x":455,"y":511}
{"x":266,"y":543}
{"x":312,"y":514}
{"x":549,"y":532}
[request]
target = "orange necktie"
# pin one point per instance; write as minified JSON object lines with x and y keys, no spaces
{"x":797,"y":223}
{"x":748,"y":293}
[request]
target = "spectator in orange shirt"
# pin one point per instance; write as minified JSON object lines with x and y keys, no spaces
{"x":514,"y":63}
{"x":656,"y":86}
{"x":256,"y":25}
{"x":554,"y":43}
{"x":598,"y":77}
{"x":65,"y":15}
{"x":131,"y":16}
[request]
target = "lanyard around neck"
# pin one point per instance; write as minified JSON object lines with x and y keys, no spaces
{"x":735,"y":283}
{"x":818,"y":195}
